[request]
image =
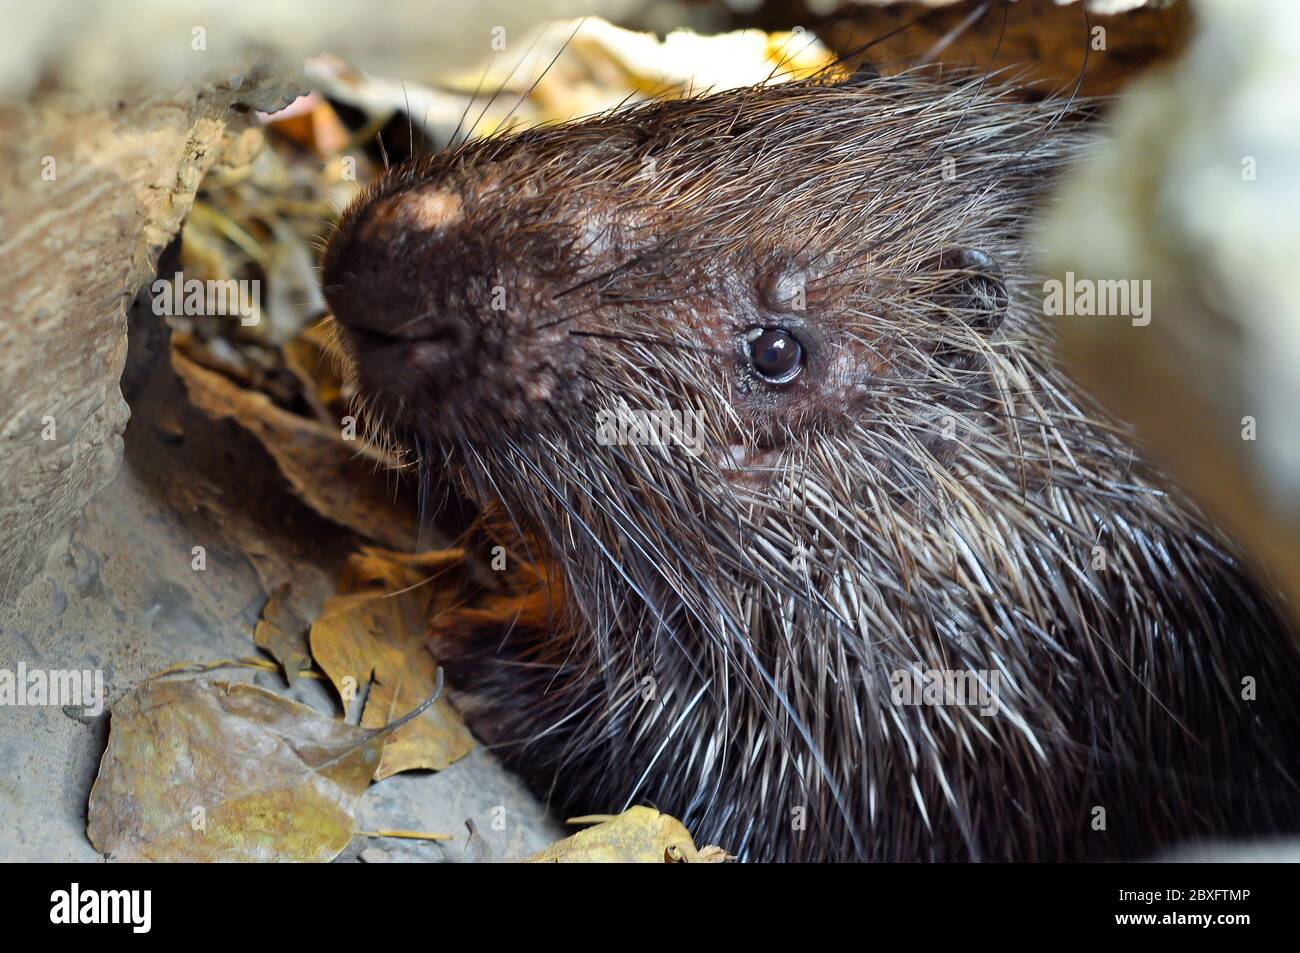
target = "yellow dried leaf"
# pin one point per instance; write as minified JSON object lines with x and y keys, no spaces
{"x":432,"y":741}
{"x":207,"y":771}
{"x":378,"y":636}
{"x":282,"y":633}
{"x":640,"y":835}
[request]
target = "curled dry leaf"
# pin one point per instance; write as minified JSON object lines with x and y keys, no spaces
{"x":374,"y":631}
{"x":640,"y":835}
{"x":282,"y":633}
{"x":341,"y":480}
{"x":713,"y":854}
{"x":207,"y":771}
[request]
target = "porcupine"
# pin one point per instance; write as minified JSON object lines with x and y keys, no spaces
{"x":892,"y":475}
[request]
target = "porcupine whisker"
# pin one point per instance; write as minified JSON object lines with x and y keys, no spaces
{"x":572,"y":316}
{"x":1078,"y":83}
{"x":527,"y":93}
{"x":533,"y":558}
{"x":961,"y":117}
{"x":505,"y":504}
{"x":493,"y":98}
{"x":828,"y":71}
{"x":469,"y":103}
{"x":592,"y":535}
{"x":837,"y":63}
{"x":966,"y":23}
{"x":424,"y":479}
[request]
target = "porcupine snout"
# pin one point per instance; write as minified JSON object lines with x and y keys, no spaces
{"x":445,"y":329}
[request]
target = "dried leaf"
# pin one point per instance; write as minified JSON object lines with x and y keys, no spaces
{"x":638,"y":835}
{"x":432,"y":741}
{"x":282,"y":633}
{"x":338,"y":479}
{"x":207,"y":771}
{"x":310,"y":123}
{"x":382,"y":572}
{"x":374,"y":631}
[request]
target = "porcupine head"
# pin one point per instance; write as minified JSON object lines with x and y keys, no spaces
{"x":760,"y":383}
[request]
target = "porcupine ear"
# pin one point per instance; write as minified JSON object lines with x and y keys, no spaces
{"x":971,"y":284}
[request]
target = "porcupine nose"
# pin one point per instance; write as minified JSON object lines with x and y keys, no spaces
{"x":448,"y":317}
{"x":378,"y":276}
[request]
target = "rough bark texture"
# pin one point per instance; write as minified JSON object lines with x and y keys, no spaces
{"x":90,"y":192}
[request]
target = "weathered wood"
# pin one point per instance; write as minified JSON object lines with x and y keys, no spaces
{"x":90,"y":192}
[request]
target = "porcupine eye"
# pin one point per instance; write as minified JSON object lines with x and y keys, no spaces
{"x":775,"y":354}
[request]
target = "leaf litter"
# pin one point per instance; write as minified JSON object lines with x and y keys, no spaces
{"x":198,"y":770}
